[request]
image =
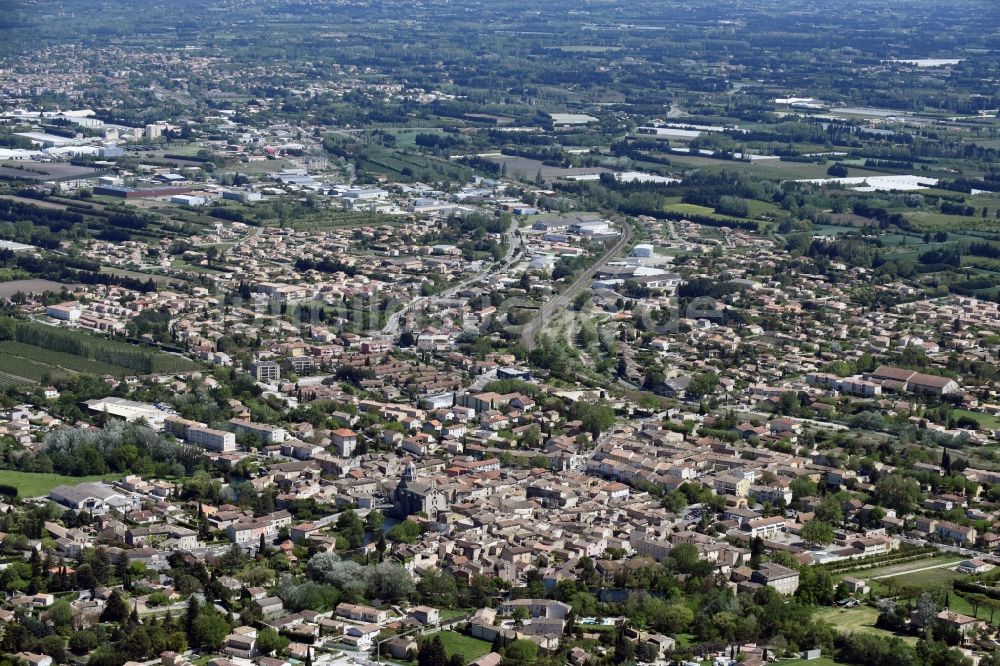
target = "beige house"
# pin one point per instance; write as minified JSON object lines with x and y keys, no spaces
{"x":782,"y":579}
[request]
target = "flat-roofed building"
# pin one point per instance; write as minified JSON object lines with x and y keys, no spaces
{"x":212,"y":439}
{"x":267,"y":433}
{"x":265,"y":371}
{"x":362,"y":613}
{"x":130,"y":410}
{"x":64,"y":311}
{"x":94,"y":498}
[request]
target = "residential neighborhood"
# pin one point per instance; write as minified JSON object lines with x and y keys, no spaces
{"x":511,"y":334}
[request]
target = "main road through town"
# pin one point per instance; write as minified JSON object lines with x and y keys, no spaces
{"x":530,"y":331}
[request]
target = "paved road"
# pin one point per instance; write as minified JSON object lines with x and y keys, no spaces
{"x":671,"y":231}
{"x":391,"y":328}
{"x":531,"y":329}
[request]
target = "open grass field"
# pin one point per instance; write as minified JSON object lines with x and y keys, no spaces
{"x":407,"y":136}
{"x":413,"y":165}
{"x":928,"y":577}
{"x":698,"y":161}
{"x":936,"y":579}
{"x":960,"y":605}
{"x":849,"y":620}
{"x":671,"y":251}
{"x":762,"y":208}
{"x":802,"y":170}
{"x":984,"y":420}
{"x":943,"y":577}
{"x":470,"y":648}
{"x":705,"y":211}
{"x":775,"y":169}
{"x":32,"y":484}
{"x":689,"y":209}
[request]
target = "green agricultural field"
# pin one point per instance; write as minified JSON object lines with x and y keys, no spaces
{"x":29,"y":372}
{"x":780,"y":170}
{"x":470,"y":648}
{"x":933,"y":221}
{"x":337,"y":219}
{"x":705,"y":211}
{"x":40,"y":352}
{"x":908,"y":240}
{"x":35,"y":484}
{"x":7,"y":379}
{"x":136,"y":359}
{"x":982,"y":263}
{"x":763,"y":208}
{"x":407,"y":136}
{"x":697,"y":161}
{"x":257,"y":168}
{"x":59,"y":360}
{"x":689,"y":209}
{"x":936,"y":573}
{"x":409,"y":165}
